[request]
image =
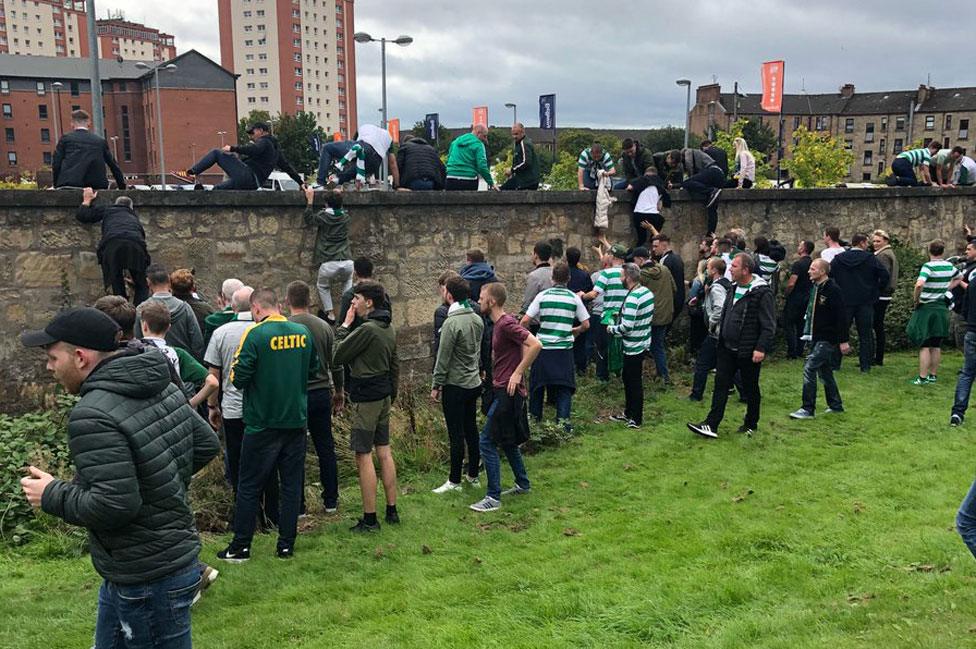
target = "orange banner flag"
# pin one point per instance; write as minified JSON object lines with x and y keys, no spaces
{"x":772,"y":86}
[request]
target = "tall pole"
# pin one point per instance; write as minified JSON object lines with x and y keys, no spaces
{"x":514,"y":114}
{"x":386,"y":171}
{"x":735,"y":103}
{"x":98,"y":120}
{"x":159,"y":131}
{"x":687,"y":115}
{"x":57,"y":113}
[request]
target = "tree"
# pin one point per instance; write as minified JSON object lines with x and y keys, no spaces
{"x":253,"y":116}
{"x":759,"y":136}
{"x":667,"y":138}
{"x":499,"y":139}
{"x":818,"y":160}
{"x":443,"y":136}
{"x":572,"y":141}
{"x":724,"y":139}
{"x":562,"y":176}
{"x":294,"y":133}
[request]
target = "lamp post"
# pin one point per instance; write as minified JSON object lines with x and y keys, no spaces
{"x":98,"y":117}
{"x":56,"y":86}
{"x":687,"y":83}
{"x":159,"y":115}
{"x":115,"y":146}
{"x":514,"y":108}
{"x":403,"y":41}
{"x":221,"y":134}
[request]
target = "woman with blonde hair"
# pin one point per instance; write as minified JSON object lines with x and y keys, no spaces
{"x":745,"y":164}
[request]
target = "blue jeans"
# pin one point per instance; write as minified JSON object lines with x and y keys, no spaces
{"x":563,"y":397}
{"x":421,"y":185}
{"x":966,"y":375}
{"x":153,"y":615}
{"x":599,"y":342}
{"x":489,"y":455}
{"x":621,"y":184}
{"x":966,"y":519}
{"x":331,"y":152}
{"x":239,"y":175}
{"x":261,"y":453}
{"x":581,"y":351}
{"x":320,"y":429}
{"x":704,"y":364}
{"x":820,"y":363}
{"x":658,"y":351}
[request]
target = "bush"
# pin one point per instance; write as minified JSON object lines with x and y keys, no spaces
{"x":910,"y":260}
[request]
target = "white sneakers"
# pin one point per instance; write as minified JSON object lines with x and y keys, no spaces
{"x":446,"y":487}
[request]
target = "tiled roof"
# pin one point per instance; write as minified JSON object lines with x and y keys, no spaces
{"x":864,"y":103}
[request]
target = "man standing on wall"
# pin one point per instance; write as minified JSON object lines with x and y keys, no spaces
{"x":135,"y":443}
{"x":123,"y":244}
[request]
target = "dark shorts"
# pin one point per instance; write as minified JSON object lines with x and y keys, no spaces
{"x":369,"y":423}
{"x":935,"y":341}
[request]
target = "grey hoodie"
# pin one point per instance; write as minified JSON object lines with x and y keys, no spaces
{"x":184,"y":330}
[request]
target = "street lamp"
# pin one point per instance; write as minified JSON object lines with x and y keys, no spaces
{"x":363,"y":37}
{"x":221,"y":134}
{"x":159,"y":115}
{"x":56,"y":86}
{"x":686,"y":82}
{"x":115,"y":146}
{"x":514,"y":112}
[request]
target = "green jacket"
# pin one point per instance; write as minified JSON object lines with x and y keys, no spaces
{"x":525,"y":164}
{"x":332,"y":241}
{"x":214,"y":320}
{"x":369,"y":351}
{"x":658,"y":278}
{"x":274,"y":362}
{"x":134,"y":442}
{"x":459,"y":351}
{"x":468,"y":159}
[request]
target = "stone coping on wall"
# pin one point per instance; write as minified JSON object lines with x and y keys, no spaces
{"x":72,"y":198}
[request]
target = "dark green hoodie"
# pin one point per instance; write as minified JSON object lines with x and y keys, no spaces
{"x":370,"y":352}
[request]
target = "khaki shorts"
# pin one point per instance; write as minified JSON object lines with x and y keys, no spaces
{"x":370,"y":425}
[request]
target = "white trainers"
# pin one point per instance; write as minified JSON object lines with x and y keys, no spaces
{"x":802,"y":413}
{"x":446,"y":487}
{"x":516,"y":491}
{"x":486,"y":504}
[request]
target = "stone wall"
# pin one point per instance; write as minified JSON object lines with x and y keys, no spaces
{"x":47,"y":258}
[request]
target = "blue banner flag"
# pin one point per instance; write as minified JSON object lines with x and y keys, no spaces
{"x":432,"y":123}
{"x":547,"y":111}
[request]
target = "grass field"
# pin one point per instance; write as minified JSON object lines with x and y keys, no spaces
{"x":835,"y":532}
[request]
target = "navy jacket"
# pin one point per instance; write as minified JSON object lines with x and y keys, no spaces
{"x":860,"y":276}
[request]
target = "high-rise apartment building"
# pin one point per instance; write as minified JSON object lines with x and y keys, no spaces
{"x":60,"y":28}
{"x":292,"y":56}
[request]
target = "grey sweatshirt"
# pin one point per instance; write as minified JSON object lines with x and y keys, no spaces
{"x":184,"y":331}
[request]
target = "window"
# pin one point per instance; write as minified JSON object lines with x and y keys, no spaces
{"x":248,"y":43}
{"x":866,"y":176}
{"x":881,"y":168}
{"x":296,"y":57}
{"x":248,"y":57}
{"x":4,"y":87}
{"x":247,"y":14}
{"x":126,"y":139}
{"x":8,"y":110}
{"x":45,"y":135}
{"x":8,"y":134}
{"x":298,"y":72}
{"x":75,"y":91}
{"x":40,"y":88}
{"x":929,"y":122}
{"x":251,"y":100}
{"x":868,"y":158}
{"x":948,"y":122}
{"x":925,"y":141}
{"x":898,"y":146}
{"x":264,"y":100}
{"x":248,"y":28}
{"x":42,"y":111}
{"x":250,"y":86}
{"x":848,"y":144}
{"x":264,"y":85}
{"x":260,"y":12}
{"x":849,"y":125}
{"x":48,"y":159}
{"x":262,"y":70}
{"x":262,"y":57}
{"x":12,"y":158}
{"x":261,"y":28}
{"x":899,"y":123}
{"x":75,"y":107}
{"x":881,"y":145}
{"x":296,"y":42}
{"x":963,"y":128}
{"x":945,"y":143}
{"x":884,"y":123}
{"x":869,"y":132}
{"x":821,"y":124}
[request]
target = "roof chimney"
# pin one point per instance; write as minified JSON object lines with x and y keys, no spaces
{"x":847,"y":90}
{"x":924,"y":92}
{"x":707,"y":93}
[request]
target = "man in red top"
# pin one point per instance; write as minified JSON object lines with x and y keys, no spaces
{"x":507,"y":425}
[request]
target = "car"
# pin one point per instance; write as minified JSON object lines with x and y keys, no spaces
{"x":279,"y":181}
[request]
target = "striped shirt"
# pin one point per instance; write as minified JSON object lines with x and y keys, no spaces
{"x":357,"y":153}
{"x":556,"y":309}
{"x":635,"y":321}
{"x":586,"y":159}
{"x":740,"y":291}
{"x":917,"y":157}
{"x":767,"y":265}
{"x":610,"y":284}
{"x":937,"y":274}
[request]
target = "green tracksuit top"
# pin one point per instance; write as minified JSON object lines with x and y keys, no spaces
{"x":272,"y":366}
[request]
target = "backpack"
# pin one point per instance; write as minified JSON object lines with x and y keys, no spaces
{"x":777,"y":251}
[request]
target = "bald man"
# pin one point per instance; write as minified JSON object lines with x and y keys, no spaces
{"x":524,"y":173}
{"x":825,"y":326}
{"x":467,"y":160}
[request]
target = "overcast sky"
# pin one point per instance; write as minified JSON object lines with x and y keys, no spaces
{"x":614,"y":64}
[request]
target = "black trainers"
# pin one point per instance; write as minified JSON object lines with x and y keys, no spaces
{"x":621,"y":418}
{"x":362,"y":526}
{"x":285,"y":553}
{"x":703,"y":429}
{"x":713,"y":197}
{"x":234,"y":555}
{"x":745,"y":429}
{"x":393,"y":518}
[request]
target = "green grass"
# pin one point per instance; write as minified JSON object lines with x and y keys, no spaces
{"x":835,"y":532}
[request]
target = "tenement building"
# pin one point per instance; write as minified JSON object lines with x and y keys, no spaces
{"x":875,"y":126}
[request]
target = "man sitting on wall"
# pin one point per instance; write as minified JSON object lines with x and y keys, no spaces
{"x":81,"y":156}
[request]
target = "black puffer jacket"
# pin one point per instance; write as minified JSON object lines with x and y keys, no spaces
{"x":263,"y":156}
{"x":135,"y":442}
{"x":118,"y":222}
{"x":750,"y":324}
{"x":418,"y":160}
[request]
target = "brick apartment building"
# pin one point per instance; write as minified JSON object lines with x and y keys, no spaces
{"x":875,"y":126}
{"x":198,"y":102}
{"x":59,"y":28}
{"x":292,"y":56}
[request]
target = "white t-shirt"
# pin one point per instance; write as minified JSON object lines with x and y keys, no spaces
{"x":828,"y":254}
{"x":647,"y":201}
{"x":167,"y":350}
{"x":376,"y":137}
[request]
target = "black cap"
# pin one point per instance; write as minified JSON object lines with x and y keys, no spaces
{"x":261,"y":125}
{"x":82,"y":327}
{"x":640,"y":251}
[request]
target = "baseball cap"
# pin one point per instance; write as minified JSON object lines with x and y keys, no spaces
{"x":261,"y":125}
{"x":618,"y":251}
{"x":640,"y":251}
{"x":82,"y":327}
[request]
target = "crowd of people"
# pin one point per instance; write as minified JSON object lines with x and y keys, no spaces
{"x":161,"y":374}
